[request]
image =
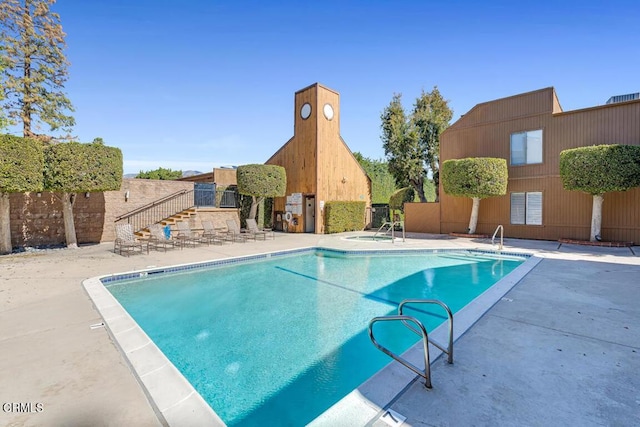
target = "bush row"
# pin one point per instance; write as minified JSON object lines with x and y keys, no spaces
{"x":344,"y":216}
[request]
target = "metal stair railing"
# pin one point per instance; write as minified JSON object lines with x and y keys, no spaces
{"x":158,"y":210}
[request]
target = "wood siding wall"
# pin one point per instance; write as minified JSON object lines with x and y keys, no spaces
{"x":317,"y":160}
{"x":565,"y":213}
{"x":422,"y":217}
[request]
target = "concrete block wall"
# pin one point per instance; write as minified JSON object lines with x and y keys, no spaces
{"x":218,"y":216}
{"x":37,"y":220}
{"x":141,"y":193}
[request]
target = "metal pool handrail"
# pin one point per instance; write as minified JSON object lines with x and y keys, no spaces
{"x":421,"y":331}
{"x":449,"y":349}
{"x":426,"y":374}
{"x":501,"y":228}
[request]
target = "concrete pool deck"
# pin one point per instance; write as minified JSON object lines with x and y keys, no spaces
{"x":562,"y":348}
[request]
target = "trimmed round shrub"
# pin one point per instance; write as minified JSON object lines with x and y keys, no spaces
{"x":399,"y":197}
{"x":262,"y":180}
{"x":600,"y":169}
{"x":73,"y":167}
{"x":477,"y":177}
{"x":21,"y":164}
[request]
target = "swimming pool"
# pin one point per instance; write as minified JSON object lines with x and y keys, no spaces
{"x":305,"y":324}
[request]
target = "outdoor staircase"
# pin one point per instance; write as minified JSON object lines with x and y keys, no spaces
{"x":184,"y":215}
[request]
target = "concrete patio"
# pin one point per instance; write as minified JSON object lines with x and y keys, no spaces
{"x":561,"y":348}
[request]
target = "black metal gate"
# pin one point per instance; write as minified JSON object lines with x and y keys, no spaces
{"x":379,"y":214}
{"x":204,"y":194}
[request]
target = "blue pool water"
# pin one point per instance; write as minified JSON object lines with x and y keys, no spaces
{"x":281,"y":340}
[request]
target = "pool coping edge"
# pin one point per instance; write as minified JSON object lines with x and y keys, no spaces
{"x":183,"y":401}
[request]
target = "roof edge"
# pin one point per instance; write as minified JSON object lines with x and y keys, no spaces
{"x":316,"y":84}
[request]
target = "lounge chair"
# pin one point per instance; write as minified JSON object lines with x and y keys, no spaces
{"x":126,"y":242}
{"x":210,"y":234}
{"x":186,"y":235}
{"x":233,"y":230}
{"x":252,"y":227}
{"x":159,"y":239}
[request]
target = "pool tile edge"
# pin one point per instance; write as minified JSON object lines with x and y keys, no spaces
{"x":183,"y":402}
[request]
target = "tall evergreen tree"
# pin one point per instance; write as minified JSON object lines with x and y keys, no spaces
{"x":35,"y":67}
{"x":400,"y":142}
{"x":412,"y":143}
{"x":431,"y":116}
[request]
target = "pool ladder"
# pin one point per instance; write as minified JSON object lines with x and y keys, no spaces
{"x":419,"y":330}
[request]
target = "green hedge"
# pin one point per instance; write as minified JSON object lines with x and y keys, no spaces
{"x":74,"y":167}
{"x":343,"y":216}
{"x":261,"y":180}
{"x":21,"y":164}
{"x":600,"y":169}
{"x":399,"y":197}
{"x":479,"y":177}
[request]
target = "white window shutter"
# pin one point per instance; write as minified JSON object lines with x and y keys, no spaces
{"x":534,"y":208}
{"x":517,"y":208}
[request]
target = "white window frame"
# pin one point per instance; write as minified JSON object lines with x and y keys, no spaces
{"x":528,"y":148}
{"x":526,"y":208}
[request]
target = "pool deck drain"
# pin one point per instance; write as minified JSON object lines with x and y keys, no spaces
{"x":563,"y":352}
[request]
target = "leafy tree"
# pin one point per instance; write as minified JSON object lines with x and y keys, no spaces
{"x":412,"y":143}
{"x":72,"y":168}
{"x":382,"y":182}
{"x":160,"y":173}
{"x":260,"y":181}
{"x":21,"y":164}
{"x":400,"y":143}
{"x":478,"y":178}
{"x":431,"y":116}
{"x":35,"y":67}
{"x":597,"y":170}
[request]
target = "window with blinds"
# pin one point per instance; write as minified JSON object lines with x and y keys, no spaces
{"x":526,"y":208}
{"x":526,"y":147}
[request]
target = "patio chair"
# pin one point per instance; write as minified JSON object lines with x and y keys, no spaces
{"x":252,"y":227}
{"x":233,"y":230}
{"x":126,"y":242}
{"x":159,"y":239}
{"x":211,"y":234}
{"x":186,"y":235}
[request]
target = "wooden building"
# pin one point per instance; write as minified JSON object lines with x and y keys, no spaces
{"x":319,"y":165}
{"x":530,"y":130}
{"x":220,"y":176}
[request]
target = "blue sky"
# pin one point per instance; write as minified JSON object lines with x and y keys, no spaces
{"x":198,"y":84}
